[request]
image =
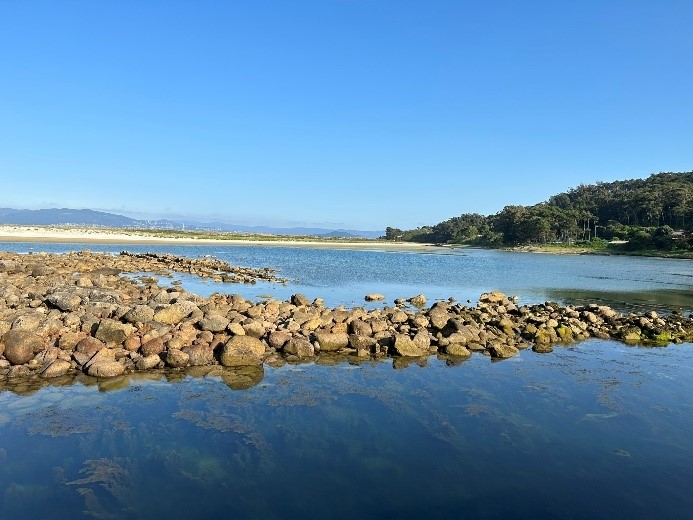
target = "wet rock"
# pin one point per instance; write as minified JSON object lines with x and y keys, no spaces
{"x":374,"y":297}
{"x":299,"y":347}
{"x":242,"y":351}
{"x":56,"y":368}
{"x":501,"y":350}
{"x":418,"y":301}
{"x":106,"y":369}
{"x":456,"y":349}
{"x":278,"y":338}
{"x":20,"y":345}
{"x":176,"y":358}
{"x":407,"y":347}
{"x":438,"y":317}
{"x":330,"y":342}
{"x":542,"y":348}
{"x":199,"y":355}
{"x":148,"y":362}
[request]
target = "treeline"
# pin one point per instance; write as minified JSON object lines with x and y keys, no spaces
{"x":652,"y":213}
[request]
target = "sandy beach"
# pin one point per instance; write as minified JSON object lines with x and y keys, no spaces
{"x":68,"y":235}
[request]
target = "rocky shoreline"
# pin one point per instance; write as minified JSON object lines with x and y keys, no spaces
{"x":72,"y":315}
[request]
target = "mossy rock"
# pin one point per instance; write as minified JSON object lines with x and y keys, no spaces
{"x":565,"y":333}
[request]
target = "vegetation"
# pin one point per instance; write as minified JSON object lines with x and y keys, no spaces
{"x":653,"y":214}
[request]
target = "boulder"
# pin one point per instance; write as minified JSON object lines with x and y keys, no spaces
{"x":154,"y":346}
{"x":213,"y":323}
{"x":374,"y":297}
{"x":278,"y":338}
{"x":106,"y":369}
{"x":331,"y":342}
{"x":299,"y":299}
{"x":148,"y":362}
{"x":418,"y":300}
{"x":456,"y":349}
{"x":199,"y":355}
{"x":438,"y":317}
{"x":139,"y":314}
{"x":175,"y":313}
{"x":176,"y":358}
{"x":112,"y":331}
{"x":407,"y":347}
{"x":300,"y":347}
{"x":89,"y":346}
{"x":65,"y":301}
{"x":19,"y":346}
{"x":242,"y":351}
{"x":501,"y":350}
{"x":56,"y":368}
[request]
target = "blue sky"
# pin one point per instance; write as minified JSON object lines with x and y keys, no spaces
{"x":339,"y":113}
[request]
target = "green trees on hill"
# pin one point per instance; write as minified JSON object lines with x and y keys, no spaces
{"x":643,"y":212}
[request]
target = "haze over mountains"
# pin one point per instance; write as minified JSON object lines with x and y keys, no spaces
{"x":92,"y":218}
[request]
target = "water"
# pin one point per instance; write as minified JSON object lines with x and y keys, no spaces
{"x":595,"y":430}
{"x":343,"y":277}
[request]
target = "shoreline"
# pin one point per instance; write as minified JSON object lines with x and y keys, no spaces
{"x":77,"y":235}
{"x":74,"y":313}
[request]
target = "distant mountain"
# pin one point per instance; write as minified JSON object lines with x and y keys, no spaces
{"x":92,"y":218}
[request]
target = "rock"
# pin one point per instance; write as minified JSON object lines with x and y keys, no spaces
{"x":361,"y":328}
{"x":501,"y":350}
{"x":564,"y":333}
{"x":418,"y":301}
{"x":47,"y":356}
{"x":374,"y":297}
{"x":399,"y":316}
{"x":19,"y":346}
{"x":89,"y":346}
{"x":407,"y":347}
{"x":242,"y":351}
{"x":139,"y":314}
{"x":106,"y":369}
{"x":112,"y":331}
{"x":278,"y":338}
{"x":102,"y":356}
{"x":456,"y":349}
{"x":330,"y":342}
{"x":300,"y":347}
{"x":213,"y":323}
{"x":68,"y":340}
{"x":30,"y":322}
{"x":438,"y":317}
{"x":360,"y":342}
{"x":65,"y":301}
{"x":299,"y":300}
{"x":494,"y":297}
{"x":254,"y":329}
{"x":175,"y":313}
{"x":176,"y":358}
{"x":199,"y":355}
{"x":153,"y":347}
{"x":630,"y":334}
{"x":542,"y":337}
{"x":148,"y":362}
{"x":236,"y":329}
{"x":542,"y":348}
{"x":56,"y":368}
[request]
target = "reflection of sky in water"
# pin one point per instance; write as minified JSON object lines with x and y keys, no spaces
{"x":343,"y":277}
{"x":598,"y":430}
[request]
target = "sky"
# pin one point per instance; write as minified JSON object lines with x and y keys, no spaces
{"x":355,"y":114}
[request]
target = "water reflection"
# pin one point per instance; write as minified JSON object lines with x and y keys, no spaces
{"x":529,"y":437}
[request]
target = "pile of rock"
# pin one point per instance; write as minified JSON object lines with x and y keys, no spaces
{"x":65,"y":313}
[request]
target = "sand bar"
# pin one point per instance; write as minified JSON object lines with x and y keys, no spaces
{"x":80,"y":235}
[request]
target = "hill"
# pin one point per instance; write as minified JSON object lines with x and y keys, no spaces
{"x":656,"y":212}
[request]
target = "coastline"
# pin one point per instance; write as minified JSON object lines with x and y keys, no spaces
{"x":68,"y":235}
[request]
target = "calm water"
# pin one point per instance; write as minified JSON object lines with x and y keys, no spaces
{"x":597,"y":430}
{"x":343,"y":277}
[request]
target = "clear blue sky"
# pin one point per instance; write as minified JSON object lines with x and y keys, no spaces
{"x":341,"y":113}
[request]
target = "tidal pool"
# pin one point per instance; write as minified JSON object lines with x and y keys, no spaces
{"x":595,"y":430}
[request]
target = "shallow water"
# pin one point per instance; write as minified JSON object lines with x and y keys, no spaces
{"x":598,"y":430}
{"x":343,"y":277}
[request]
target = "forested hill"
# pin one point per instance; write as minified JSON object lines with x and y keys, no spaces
{"x":656,"y":212}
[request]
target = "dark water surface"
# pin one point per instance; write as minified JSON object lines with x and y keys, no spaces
{"x":597,"y":430}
